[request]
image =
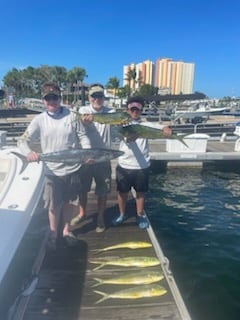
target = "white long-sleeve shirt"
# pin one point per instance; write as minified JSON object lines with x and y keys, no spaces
{"x":136,"y":153}
{"x":55,"y":134}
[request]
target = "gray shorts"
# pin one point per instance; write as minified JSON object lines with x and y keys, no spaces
{"x":58,"y":190}
{"x":100,"y":173}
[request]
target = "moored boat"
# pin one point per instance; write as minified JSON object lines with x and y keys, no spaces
{"x":19,"y":197}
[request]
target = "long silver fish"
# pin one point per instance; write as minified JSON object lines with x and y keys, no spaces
{"x":141,"y":262}
{"x":144,"y":277}
{"x":71,"y":156}
{"x":137,"y":292}
{"x":147,"y":132}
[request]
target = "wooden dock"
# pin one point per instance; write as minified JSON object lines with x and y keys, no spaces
{"x":65,"y":278}
{"x":216,"y":151}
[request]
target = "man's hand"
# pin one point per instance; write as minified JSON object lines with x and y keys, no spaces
{"x":167,"y":132}
{"x":89,"y":161}
{"x":87,"y":118}
{"x":33,"y":156}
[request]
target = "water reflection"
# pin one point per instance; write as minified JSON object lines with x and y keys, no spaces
{"x":195,"y":215}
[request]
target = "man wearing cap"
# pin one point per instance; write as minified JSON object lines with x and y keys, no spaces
{"x":133,"y":166}
{"x":57,"y":129}
{"x":99,"y":136}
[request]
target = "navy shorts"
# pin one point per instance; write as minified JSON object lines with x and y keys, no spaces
{"x":128,"y":178}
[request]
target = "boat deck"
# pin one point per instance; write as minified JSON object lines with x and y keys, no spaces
{"x":66,"y":277}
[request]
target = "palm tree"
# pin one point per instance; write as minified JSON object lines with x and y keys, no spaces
{"x":113,"y":83}
{"x":76,"y":76}
{"x":131,"y":78}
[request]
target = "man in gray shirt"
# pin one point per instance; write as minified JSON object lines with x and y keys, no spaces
{"x":57,"y":129}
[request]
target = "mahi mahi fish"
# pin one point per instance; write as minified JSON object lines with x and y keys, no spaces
{"x":132,"y":278}
{"x":127,"y":262}
{"x":115,"y":118}
{"x":144,"y":291}
{"x":127,"y":245}
{"x":71,"y":156}
{"x":142,"y":131}
{"x":112,"y":118}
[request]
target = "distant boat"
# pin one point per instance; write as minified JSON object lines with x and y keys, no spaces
{"x":19,"y":197}
{"x":199,"y":110}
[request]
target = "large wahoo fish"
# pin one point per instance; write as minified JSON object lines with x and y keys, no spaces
{"x":141,"y":131}
{"x":71,"y":156}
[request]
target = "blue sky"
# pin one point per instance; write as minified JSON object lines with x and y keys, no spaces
{"x":103,"y":36}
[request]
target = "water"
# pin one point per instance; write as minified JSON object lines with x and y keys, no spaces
{"x":195,"y":215}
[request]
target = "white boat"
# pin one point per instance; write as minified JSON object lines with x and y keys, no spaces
{"x":19,"y":197}
{"x":199,"y":110}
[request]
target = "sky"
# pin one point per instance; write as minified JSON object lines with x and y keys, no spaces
{"x":103,"y":36}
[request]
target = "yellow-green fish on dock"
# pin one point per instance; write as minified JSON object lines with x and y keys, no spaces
{"x":144,"y":291}
{"x":127,"y":245}
{"x":146,"y":132}
{"x":132,"y":278}
{"x":127,"y":262}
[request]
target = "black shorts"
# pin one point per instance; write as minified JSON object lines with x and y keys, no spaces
{"x":136,"y":178}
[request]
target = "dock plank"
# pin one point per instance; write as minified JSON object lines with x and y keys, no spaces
{"x":66,"y":279}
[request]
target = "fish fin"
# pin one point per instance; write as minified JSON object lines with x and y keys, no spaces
{"x":101,"y":265}
{"x":105,"y":296}
{"x":180,"y":138}
{"x":25,"y":163}
{"x":98,"y":283}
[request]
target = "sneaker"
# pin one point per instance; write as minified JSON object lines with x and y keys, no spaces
{"x":71,"y":240}
{"x":118,"y":220}
{"x":100,"y":228}
{"x":76,"y":220}
{"x":142,"y":222}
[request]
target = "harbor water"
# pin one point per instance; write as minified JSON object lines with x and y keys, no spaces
{"x":195,"y":215}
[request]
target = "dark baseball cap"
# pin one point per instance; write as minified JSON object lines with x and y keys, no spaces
{"x":51,"y":89}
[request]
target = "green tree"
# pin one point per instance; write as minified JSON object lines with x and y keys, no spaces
{"x":131,"y":78}
{"x":76,"y":76}
{"x":113,"y":84}
{"x":147,"y":90}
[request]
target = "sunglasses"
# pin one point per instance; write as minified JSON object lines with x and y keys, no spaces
{"x":135,"y":109}
{"x":97,"y":96}
{"x":51,"y":97}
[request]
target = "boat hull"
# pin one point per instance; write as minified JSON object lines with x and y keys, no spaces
{"x":19,"y":197}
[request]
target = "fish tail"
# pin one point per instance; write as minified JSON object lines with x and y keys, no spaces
{"x":181,"y":138}
{"x":101,"y":265}
{"x":105,"y":296}
{"x":96,"y":251}
{"x":98,"y":283}
{"x":25,"y":163}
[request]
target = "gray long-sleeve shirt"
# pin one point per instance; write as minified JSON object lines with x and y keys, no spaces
{"x":55,"y":134}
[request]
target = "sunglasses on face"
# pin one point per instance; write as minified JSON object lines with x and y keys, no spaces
{"x":51,"y":97}
{"x":97,"y":96}
{"x":133,"y":109}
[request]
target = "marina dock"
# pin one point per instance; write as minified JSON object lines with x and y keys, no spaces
{"x":65,"y":280}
